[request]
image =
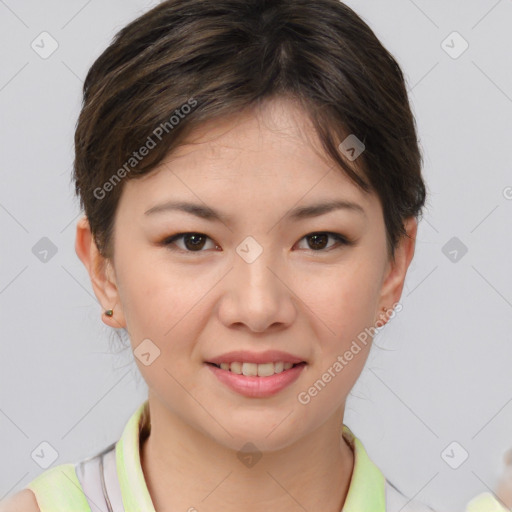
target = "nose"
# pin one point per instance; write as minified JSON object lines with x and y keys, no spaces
{"x":256,"y":292}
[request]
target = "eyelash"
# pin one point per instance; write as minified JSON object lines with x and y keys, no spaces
{"x":169,"y":241}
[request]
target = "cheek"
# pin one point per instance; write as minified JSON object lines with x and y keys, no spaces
{"x":342,"y":300}
{"x":146,"y":285}
{"x":161,"y":306}
{"x":344,"y":312}
{"x":161,"y":303}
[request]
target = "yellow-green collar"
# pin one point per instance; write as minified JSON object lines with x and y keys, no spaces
{"x":366,"y":492}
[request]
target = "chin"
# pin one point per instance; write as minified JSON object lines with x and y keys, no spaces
{"x":267,"y":435}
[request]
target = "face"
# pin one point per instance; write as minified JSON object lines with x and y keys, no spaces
{"x":260,"y":278}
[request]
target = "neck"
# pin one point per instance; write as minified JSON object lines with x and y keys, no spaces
{"x":184,"y":470}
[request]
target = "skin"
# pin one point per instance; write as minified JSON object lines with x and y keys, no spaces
{"x":311,"y":302}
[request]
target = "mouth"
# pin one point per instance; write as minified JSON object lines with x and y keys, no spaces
{"x":257,"y":380}
{"x":257,"y":369}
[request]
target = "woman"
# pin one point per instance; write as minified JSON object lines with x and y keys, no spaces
{"x":251,"y":181}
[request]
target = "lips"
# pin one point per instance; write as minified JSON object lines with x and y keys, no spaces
{"x":257,"y":386}
{"x":256,"y":374}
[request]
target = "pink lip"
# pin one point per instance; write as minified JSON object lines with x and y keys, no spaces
{"x":269,"y":356}
{"x":257,"y":387}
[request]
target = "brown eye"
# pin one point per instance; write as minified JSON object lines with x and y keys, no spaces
{"x":195,"y":242}
{"x":192,"y":242}
{"x":317,"y":241}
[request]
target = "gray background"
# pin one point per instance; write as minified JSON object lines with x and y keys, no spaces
{"x":439,"y":371}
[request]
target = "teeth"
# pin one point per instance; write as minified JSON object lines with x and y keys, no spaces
{"x":236,"y":368}
{"x":253,"y":369}
{"x":250,"y":369}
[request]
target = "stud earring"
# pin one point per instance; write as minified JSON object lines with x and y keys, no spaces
{"x":384,"y":310}
{"x":109,"y":312}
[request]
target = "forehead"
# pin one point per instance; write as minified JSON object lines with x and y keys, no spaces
{"x":269,"y":156}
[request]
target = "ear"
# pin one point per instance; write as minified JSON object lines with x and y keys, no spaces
{"x":102,"y":274}
{"x":394,"y":277}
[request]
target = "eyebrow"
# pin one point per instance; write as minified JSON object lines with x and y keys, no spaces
{"x":302,"y":212}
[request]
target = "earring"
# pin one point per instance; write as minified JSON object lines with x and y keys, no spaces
{"x":109,"y":312}
{"x":382,"y":317}
{"x":383,"y":309}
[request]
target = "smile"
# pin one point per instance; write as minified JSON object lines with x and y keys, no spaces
{"x":254,"y":380}
{"x":256,"y":370}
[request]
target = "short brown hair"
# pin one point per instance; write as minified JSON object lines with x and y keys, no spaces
{"x":220,"y":57}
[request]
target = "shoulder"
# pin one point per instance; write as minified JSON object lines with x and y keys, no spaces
{"x":23,"y":501}
{"x":56,"y":489}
